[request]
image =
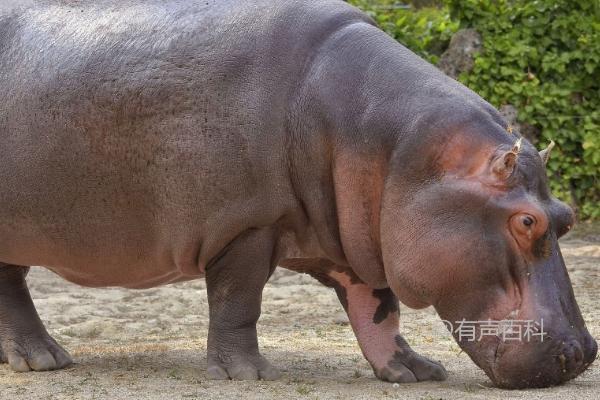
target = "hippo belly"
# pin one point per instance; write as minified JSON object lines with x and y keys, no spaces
{"x":91,"y":230}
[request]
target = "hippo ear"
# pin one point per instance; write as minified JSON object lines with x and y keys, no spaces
{"x":504,"y":165}
{"x":545,"y":154}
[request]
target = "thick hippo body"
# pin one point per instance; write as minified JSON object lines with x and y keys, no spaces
{"x":138,"y":140}
{"x":144,"y":143}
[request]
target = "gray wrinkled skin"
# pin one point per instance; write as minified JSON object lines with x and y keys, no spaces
{"x":145,"y":143}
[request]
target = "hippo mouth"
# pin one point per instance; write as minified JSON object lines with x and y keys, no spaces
{"x":518,"y":364}
{"x":551,"y":365}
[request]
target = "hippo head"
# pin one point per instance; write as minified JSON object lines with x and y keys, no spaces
{"x":479,"y":242}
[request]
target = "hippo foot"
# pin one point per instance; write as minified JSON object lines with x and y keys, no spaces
{"x":40,"y":353}
{"x":408,"y":366}
{"x":24,"y":342}
{"x":242,"y":368}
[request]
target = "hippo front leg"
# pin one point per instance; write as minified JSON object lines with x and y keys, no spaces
{"x":24,"y":343}
{"x":374,"y":317}
{"x":234,"y":286}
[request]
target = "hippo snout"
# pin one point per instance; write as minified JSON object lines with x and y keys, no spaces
{"x":538,"y":365}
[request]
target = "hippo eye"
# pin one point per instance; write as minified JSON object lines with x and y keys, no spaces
{"x":527,"y":221}
{"x":526,"y":228}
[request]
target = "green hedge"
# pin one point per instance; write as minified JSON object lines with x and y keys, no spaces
{"x":426,"y":31}
{"x":541,"y":56}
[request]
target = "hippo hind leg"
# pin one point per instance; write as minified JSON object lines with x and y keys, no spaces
{"x":234,"y":286}
{"x":24,"y":343}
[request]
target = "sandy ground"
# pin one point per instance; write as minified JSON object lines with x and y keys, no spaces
{"x":150,"y":344}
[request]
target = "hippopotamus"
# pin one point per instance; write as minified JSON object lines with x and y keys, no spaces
{"x":150,"y":142}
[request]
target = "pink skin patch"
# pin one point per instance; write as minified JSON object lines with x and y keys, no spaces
{"x":377,"y":341}
{"x":374,"y":318}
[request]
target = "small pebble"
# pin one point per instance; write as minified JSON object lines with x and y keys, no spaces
{"x":396,"y":385}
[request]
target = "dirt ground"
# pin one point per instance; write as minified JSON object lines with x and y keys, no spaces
{"x":150,"y":344}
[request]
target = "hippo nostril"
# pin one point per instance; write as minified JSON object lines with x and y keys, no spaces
{"x":578,"y":354}
{"x":571,"y":358}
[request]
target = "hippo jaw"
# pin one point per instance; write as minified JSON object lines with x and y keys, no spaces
{"x":547,"y":342}
{"x":560,"y":347}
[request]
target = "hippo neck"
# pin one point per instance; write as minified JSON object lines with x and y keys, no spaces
{"x":366,"y":102}
{"x":339,"y":190}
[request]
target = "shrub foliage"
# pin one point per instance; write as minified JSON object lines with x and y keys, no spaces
{"x":541,"y":56}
